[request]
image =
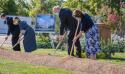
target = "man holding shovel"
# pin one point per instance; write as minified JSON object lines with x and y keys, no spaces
{"x":68,"y":22}
{"x":12,"y":29}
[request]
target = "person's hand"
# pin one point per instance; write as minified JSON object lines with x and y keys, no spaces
{"x":74,"y":40}
{"x":6,"y":37}
{"x":61,"y":38}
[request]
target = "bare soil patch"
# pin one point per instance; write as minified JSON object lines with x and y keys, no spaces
{"x":80,"y":66}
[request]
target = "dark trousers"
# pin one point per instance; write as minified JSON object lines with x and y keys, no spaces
{"x":77,"y":44}
{"x":14,"y":41}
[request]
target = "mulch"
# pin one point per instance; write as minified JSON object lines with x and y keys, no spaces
{"x":79,"y":66}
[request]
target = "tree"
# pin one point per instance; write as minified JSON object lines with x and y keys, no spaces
{"x":43,"y":6}
{"x":35,"y":7}
{"x":91,"y":6}
{"x":22,"y":7}
{"x":8,"y":6}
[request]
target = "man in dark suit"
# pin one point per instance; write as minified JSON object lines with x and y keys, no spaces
{"x":68,"y":22}
{"x":12,"y":29}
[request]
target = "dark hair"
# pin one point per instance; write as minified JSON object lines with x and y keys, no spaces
{"x":3,"y":14}
{"x":77,"y":13}
{"x":17,"y":18}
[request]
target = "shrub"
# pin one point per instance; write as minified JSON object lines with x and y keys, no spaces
{"x":101,"y":56}
{"x":43,"y":41}
{"x":110,"y":48}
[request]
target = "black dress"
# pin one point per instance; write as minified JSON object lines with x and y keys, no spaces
{"x":29,"y":41}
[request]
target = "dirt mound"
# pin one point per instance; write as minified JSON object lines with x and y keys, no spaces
{"x":80,"y":66}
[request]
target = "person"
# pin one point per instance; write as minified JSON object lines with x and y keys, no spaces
{"x":12,"y":29}
{"x":68,"y":22}
{"x":90,"y":29}
{"x":28,"y":34}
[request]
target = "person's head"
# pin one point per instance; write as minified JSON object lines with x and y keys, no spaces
{"x":16,"y":21}
{"x":56,"y":9}
{"x":3,"y":16}
{"x":77,"y":13}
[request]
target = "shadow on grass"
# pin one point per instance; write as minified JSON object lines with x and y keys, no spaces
{"x":118,"y":59}
{"x":114,"y":60}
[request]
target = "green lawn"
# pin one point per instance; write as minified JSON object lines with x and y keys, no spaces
{"x":50,"y":51}
{"x":118,"y":58}
{"x":12,"y":67}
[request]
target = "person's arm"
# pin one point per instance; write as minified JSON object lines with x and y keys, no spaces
{"x":9,"y":23}
{"x":8,"y":32}
{"x":22,"y":32}
{"x":23,"y":28}
{"x":63,"y":24}
{"x":78,"y":36}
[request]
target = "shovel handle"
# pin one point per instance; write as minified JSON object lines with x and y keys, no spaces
{"x":3,"y":43}
{"x":17,"y":42}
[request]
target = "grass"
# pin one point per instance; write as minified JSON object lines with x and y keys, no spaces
{"x":118,"y":58}
{"x":54,"y":52}
{"x":12,"y":67}
{"x":51,"y":51}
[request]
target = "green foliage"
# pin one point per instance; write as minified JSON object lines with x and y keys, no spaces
{"x":91,"y":6}
{"x":43,"y":41}
{"x":110,"y":48}
{"x":22,"y":7}
{"x":28,"y":7}
{"x":101,"y":56}
{"x":107,"y":48}
{"x":82,"y":41}
{"x":35,"y":7}
{"x":8,"y":6}
{"x":118,"y":58}
{"x":43,"y":6}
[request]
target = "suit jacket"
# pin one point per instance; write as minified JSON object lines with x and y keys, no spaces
{"x":68,"y":22}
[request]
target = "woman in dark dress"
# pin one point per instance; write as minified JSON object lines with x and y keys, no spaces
{"x":90,"y":29}
{"x":29,"y":40}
